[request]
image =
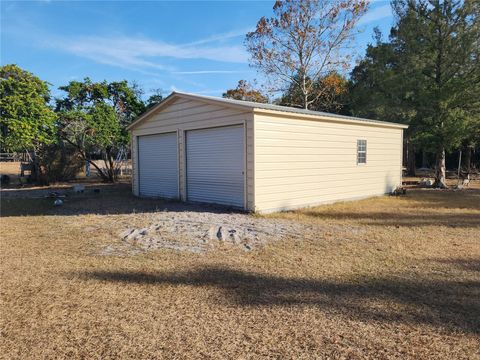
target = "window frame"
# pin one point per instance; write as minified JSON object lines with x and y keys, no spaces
{"x":363,"y":152}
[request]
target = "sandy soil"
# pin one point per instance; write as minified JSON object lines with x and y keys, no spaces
{"x":384,"y":278}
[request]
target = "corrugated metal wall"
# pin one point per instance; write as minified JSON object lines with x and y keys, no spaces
{"x":215,"y":165}
{"x":183,"y":115}
{"x":158,"y":165}
{"x":290,"y":161}
{"x":300,"y":163}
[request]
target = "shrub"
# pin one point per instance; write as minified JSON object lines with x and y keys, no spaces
{"x":59,"y":162}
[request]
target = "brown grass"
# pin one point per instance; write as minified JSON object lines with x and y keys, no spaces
{"x":404,"y":283}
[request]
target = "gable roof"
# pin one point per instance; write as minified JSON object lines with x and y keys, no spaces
{"x":260,"y":108}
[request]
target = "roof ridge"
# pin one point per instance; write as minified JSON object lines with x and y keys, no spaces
{"x":290,"y":109}
{"x":262,"y":106}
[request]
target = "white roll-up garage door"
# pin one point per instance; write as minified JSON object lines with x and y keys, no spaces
{"x":215,"y":165}
{"x":158,"y":165}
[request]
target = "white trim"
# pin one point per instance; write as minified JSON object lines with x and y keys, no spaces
{"x":281,"y":111}
{"x":286,"y":110}
{"x":184,"y":169}
{"x":346,"y":120}
{"x":245,"y":166}
{"x":155,"y":108}
{"x":175,"y":95}
{"x":254,"y":165}
{"x":178,"y":164}
{"x":401,"y":159}
{"x":364,"y":151}
{"x":137,"y":166}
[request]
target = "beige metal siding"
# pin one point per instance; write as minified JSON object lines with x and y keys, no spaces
{"x":134,"y":155}
{"x":304,"y":162}
{"x":185,"y":114}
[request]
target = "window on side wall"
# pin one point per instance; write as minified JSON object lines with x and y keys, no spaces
{"x":361,"y":152}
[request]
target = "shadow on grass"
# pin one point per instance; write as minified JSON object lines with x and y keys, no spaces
{"x":112,"y":199}
{"x":118,"y":199}
{"x":472,"y":265}
{"x":419,"y":210}
{"x":414,"y":219}
{"x":454,"y":305}
{"x":447,"y":199}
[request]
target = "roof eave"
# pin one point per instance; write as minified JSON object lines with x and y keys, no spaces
{"x":154,"y":109}
{"x":177,"y":95}
{"x":329,"y":118}
{"x":251,"y":107}
{"x":213,"y":101}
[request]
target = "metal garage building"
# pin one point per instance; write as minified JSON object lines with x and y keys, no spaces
{"x":261,"y":157}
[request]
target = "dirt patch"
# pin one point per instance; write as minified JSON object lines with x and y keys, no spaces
{"x":199,"y":232}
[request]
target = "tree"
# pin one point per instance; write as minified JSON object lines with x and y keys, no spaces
{"x":93,"y":118}
{"x":244,"y":91}
{"x":377,"y":89}
{"x":472,"y":142}
{"x":440,"y":39}
{"x":303,"y":42}
{"x":155,"y":98}
{"x":329,"y":92}
{"x":428,"y":74}
{"x":26,"y":120}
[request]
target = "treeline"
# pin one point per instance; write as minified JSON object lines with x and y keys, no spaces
{"x":87,"y":123}
{"x":426,"y":74}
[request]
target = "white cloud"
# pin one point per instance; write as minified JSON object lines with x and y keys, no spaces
{"x":106,"y":51}
{"x":378,"y":13}
{"x":201,"y":72}
{"x":142,"y":53}
{"x":222,"y":36}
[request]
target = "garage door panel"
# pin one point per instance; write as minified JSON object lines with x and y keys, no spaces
{"x":215,"y":161}
{"x":158,"y":165}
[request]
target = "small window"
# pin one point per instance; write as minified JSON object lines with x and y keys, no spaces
{"x":361,"y":152}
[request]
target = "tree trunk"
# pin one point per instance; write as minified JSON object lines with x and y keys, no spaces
{"x":304,"y":91}
{"x":410,"y":158}
{"x":113,"y":175}
{"x":110,"y":165}
{"x":424,"y":159}
{"x":440,"y":171}
{"x":468,"y":159}
{"x":35,"y":168}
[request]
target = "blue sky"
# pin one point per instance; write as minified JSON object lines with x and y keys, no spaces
{"x":187,"y":46}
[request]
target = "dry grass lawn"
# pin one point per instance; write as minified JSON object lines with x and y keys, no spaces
{"x":404,"y":283}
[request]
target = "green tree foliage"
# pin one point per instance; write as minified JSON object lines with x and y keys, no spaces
{"x":155,"y":98}
{"x":246,"y":92}
{"x":93,"y":118}
{"x":427,"y":75}
{"x":26,"y":120}
{"x":374,"y":89}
